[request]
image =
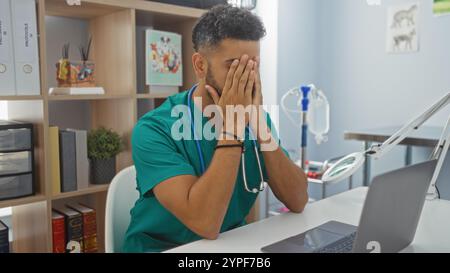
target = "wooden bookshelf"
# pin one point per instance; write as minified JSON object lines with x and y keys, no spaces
{"x":23,"y":201}
{"x":92,"y":189}
{"x":112,"y":24}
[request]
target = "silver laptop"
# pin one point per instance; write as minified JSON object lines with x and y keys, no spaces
{"x":388,"y":221}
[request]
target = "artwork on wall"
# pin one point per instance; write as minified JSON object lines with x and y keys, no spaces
{"x":441,"y":7}
{"x":164,"y":65}
{"x":402,"y":28}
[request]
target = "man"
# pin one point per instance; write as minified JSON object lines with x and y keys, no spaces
{"x":182,"y":201}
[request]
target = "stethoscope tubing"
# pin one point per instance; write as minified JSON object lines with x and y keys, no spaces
{"x":262,"y":185}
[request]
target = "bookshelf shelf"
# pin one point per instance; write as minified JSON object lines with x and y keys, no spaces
{"x":94,"y":8}
{"x":87,"y":97}
{"x":112,"y":24}
{"x":153,"y":96}
{"x":91,"y":190}
{"x":88,"y":9}
{"x":11,"y":98}
{"x":23,"y":201}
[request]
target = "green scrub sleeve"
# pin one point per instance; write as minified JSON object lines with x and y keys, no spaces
{"x":156,"y":157}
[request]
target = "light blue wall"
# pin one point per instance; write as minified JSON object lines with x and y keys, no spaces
{"x":340,"y":46}
{"x":297,"y":55}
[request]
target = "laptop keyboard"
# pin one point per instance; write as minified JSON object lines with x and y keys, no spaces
{"x":343,"y":245}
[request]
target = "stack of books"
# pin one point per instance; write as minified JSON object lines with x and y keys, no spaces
{"x":68,"y":159}
{"x":74,"y":229}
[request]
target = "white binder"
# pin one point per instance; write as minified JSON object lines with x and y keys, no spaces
{"x":26,"y":53}
{"x":7,"y":70}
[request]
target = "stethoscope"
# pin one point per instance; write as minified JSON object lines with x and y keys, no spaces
{"x":262,"y":184}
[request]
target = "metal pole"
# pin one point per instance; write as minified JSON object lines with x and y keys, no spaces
{"x":267,"y":202}
{"x":408,"y":155}
{"x":366,"y":167}
{"x":324,"y":190}
{"x":304,"y":140}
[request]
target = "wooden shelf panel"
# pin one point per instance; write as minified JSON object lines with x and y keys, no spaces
{"x":93,"y":8}
{"x":153,"y":96}
{"x":87,"y":10}
{"x":22,"y":201}
{"x":30,"y":232}
{"x":87,"y":97}
{"x":164,"y":9}
{"x":91,"y":190}
{"x":14,"y":98}
{"x":113,"y":52}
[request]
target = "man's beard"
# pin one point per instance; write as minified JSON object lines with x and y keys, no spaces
{"x":213,"y":83}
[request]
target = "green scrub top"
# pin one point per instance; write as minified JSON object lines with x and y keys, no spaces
{"x":157,"y":157}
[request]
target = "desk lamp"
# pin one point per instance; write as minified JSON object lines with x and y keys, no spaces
{"x":348,"y":165}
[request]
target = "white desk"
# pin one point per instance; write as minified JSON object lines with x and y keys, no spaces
{"x":433,"y":233}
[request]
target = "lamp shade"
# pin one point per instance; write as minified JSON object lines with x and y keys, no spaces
{"x":344,"y":168}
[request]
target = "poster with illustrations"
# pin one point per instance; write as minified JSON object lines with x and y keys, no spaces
{"x":402,"y":28}
{"x":441,"y":7}
{"x":164,"y":65}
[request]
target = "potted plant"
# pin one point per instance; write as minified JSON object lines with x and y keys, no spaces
{"x":103,"y":147}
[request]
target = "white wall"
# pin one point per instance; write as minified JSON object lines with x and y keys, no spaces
{"x":340,"y":45}
{"x":286,"y":61}
{"x":3,"y":110}
{"x":297,"y":55}
{"x":369,"y":88}
{"x":266,"y":10}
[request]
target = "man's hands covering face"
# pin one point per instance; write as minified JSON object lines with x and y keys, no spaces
{"x":242,"y":79}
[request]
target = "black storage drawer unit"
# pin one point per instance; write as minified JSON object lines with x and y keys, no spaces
{"x":16,"y":186}
{"x":15,"y":139}
{"x":16,"y":160}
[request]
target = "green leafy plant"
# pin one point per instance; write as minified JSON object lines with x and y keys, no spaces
{"x":104,"y":144}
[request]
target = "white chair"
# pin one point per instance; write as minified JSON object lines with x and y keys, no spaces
{"x":122,"y":195}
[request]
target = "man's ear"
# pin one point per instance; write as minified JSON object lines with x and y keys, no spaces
{"x":200,"y":65}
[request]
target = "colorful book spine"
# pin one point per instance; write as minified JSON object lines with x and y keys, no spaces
{"x":55,"y":175}
{"x":90,"y":243}
{"x":90,"y":232}
{"x":82,"y":160}
{"x":73,"y":229}
{"x":59,"y":233}
{"x":68,"y":163}
{"x":89,"y":227}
